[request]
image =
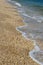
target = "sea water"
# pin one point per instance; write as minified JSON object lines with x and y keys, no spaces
{"x":32,"y":13}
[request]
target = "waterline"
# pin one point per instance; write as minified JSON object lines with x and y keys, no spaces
{"x":32,"y":30}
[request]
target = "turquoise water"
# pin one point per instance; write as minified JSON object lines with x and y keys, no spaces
{"x":26,"y":2}
{"x":32,"y":13}
{"x":33,"y":8}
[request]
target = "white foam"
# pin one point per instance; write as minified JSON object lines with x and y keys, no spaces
{"x":18,"y":4}
{"x":19,"y":30}
{"x":24,"y":35}
{"x":11,"y":1}
{"x":36,"y":48}
{"x":15,"y":3}
{"x":31,"y":54}
{"x":39,"y":19}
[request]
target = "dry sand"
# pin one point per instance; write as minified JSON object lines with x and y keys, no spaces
{"x":14,"y":49}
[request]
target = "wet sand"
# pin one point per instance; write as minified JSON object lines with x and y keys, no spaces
{"x":14,"y":49}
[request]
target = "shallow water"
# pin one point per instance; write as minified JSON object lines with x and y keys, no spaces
{"x":32,"y":13}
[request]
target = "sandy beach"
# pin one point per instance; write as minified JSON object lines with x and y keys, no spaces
{"x":14,"y":48}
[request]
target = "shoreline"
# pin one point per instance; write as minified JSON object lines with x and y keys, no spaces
{"x":31,"y":53}
{"x":20,"y":11}
{"x":13,"y":47}
{"x":19,"y":6}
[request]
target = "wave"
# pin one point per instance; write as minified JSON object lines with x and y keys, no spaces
{"x":33,"y":29}
{"x":37,"y":18}
{"x":18,"y":4}
{"x":36,"y":56}
{"x":34,"y":17}
{"x":14,"y":3}
{"x":23,"y":13}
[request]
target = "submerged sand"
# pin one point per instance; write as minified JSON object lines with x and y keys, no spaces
{"x":14,"y":49}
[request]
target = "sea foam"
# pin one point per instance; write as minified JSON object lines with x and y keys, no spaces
{"x":31,"y":31}
{"x":35,"y":54}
